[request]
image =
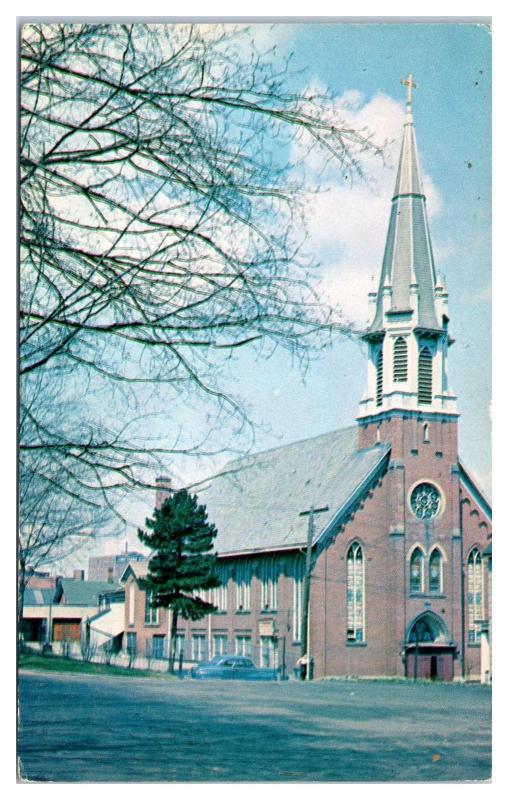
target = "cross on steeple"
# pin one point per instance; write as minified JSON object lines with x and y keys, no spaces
{"x":408,"y":83}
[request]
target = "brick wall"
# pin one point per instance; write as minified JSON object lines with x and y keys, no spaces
{"x":232,"y":623}
{"x":477,"y":532}
{"x":387,"y":531}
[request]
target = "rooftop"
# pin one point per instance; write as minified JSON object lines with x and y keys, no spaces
{"x":38,"y":597}
{"x":408,"y":262}
{"x":84,"y":593}
{"x":256,"y":501}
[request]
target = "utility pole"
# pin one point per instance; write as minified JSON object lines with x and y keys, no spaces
{"x":462,"y":592}
{"x":305,"y":647}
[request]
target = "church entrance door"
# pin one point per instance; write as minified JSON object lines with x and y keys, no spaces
{"x":430,"y":664}
{"x":436,"y":668}
{"x":429,"y":655}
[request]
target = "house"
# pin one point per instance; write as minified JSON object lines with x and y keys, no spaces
{"x":104,"y":630}
{"x":399,"y":529}
{"x":36,"y":613}
{"x":59,"y":616}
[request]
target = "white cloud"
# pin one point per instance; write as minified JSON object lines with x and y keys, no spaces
{"x":349,"y":220}
{"x":264,"y":36}
{"x":485,"y":294}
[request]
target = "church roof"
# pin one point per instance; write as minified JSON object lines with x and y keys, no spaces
{"x":256,"y":501}
{"x":408,"y":257}
{"x":473,"y":487}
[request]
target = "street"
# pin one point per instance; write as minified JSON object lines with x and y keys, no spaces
{"x":78,"y":728}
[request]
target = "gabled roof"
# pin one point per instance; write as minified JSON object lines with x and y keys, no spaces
{"x":84,"y":593}
{"x":472,"y":486}
{"x":38,"y":597}
{"x":137,"y":568}
{"x":41,"y":581}
{"x":256,"y":501}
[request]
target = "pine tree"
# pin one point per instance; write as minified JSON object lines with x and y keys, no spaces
{"x":183,"y":563}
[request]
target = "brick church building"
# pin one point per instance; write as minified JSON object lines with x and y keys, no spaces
{"x":401,"y":532}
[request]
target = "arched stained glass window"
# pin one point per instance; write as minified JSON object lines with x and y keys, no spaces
{"x":474,"y":594}
{"x":436,"y":572}
{"x":422,"y":631}
{"x":400,"y":360}
{"x":268,"y":576}
{"x":379,"y":377}
{"x":428,"y":628}
{"x":355,"y":594}
{"x":416,"y":571}
{"x":425,"y":376}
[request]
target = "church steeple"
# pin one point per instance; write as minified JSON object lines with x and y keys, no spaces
{"x":408,"y":275}
{"x":408,"y":338}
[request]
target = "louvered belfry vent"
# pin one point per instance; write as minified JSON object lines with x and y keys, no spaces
{"x":400,"y":360}
{"x":425,"y":376}
{"x":379,"y":378}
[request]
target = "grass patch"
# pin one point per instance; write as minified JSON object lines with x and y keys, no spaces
{"x":60,"y":664}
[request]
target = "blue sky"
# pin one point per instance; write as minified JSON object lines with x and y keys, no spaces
{"x":452,"y":108}
{"x":362,"y":64}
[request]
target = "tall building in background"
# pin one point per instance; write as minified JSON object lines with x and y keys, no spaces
{"x":111,"y":567}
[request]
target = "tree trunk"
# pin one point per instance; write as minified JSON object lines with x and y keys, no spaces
{"x":172,"y":642}
{"x":21,"y":598}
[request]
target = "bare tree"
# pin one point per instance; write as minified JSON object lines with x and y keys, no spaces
{"x":161,"y":229}
{"x":52,"y":525}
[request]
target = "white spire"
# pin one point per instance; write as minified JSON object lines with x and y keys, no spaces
{"x":408,"y":261}
{"x":411,"y":312}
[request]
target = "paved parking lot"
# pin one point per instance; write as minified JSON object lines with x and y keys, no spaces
{"x":89,"y":728}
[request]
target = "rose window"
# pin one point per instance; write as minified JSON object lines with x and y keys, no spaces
{"x":425,"y":501}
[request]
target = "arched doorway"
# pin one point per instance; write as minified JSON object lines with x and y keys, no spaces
{"x":429,"y":652}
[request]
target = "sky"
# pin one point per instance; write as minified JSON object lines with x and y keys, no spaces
{"x":362,"y":64}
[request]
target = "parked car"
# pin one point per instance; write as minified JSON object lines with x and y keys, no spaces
{"x":232,"y":668}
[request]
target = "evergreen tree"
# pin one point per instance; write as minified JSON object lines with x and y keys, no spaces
{"x":183,"y":564}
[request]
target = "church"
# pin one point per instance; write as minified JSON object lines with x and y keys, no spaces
{"x":367,"y":550}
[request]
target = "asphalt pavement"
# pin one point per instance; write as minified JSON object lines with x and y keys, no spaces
{"x":81,"y":728}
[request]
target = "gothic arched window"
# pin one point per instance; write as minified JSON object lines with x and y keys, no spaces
{"x":400,"y":360}
{"x":435,"y":572}
{"x":425,"y":376}
{"x":422,"y":631}
{"x":474,"y":594}
{"x":379,"y":377}
{"x":416,"y":571}
{"x":355,"y":594}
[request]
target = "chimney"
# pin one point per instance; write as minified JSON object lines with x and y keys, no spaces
{"x":163,"y":490}
{"x":110,"y":574}
{"x":78,"y":575}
